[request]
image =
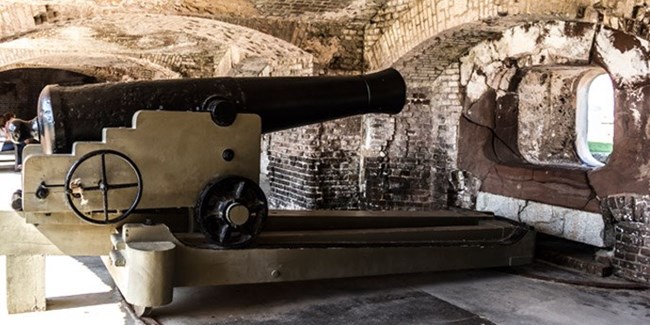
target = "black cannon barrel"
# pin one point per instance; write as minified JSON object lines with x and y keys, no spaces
{"x":78,"y":113}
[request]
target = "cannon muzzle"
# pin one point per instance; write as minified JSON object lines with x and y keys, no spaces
{"x":79,"y":113}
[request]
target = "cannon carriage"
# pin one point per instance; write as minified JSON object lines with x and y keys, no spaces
{"x":162,"y":177}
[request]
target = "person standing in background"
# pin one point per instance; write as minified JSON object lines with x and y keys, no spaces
{"x":5,"y":139}
{"x":21,"y":133}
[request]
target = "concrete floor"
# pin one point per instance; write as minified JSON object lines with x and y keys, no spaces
{"x":81,"y":292}
{"x":9,"y":182}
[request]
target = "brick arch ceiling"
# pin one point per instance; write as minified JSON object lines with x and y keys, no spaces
{"x":103,"y":67}
{"x":186,"y":46}
{"x":427,"y":60}
{"x":426,"y":19}
{"x":430,"y":58}
{"x":598,"y":44}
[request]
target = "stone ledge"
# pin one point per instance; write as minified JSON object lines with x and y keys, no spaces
{"x":584,"y":227}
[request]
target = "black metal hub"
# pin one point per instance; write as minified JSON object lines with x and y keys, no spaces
{"x":231,"y":211}
{"x":75,"y":188}
{"x":223,"y":111}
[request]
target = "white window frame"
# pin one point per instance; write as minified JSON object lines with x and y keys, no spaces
{"x":582,"y":116}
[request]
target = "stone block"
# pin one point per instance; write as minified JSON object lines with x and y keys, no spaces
{"x":25,"y":283}
{"x":499,"y":205}
{"x":576,"y":225}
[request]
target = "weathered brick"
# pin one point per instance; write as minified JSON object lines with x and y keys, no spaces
{"x":631,"y":253}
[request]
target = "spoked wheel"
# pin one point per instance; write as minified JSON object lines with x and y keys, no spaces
{"x":231,"y":211}
{"x":93,"y":177}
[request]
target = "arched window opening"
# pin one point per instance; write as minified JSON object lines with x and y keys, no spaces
{"x":595,"y":122}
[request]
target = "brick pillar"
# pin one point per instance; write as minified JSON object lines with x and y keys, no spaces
{"x":632,"y":251}
{"x":632,"y":246}
{"x":293,"y":168}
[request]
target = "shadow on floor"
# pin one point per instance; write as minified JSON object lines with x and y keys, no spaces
{"x":82,"y":300}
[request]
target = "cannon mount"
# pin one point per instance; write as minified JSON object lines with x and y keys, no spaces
{"x":173,"y":199}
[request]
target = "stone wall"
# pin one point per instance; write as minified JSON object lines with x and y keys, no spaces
{"x":581,"y":226}
{"x":547,"y":114}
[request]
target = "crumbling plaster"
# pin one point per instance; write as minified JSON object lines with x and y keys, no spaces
{"x":527,"y":45}
{"x":559,"y":43}
{"x":551,"y":101}
{"x":521,"y":176}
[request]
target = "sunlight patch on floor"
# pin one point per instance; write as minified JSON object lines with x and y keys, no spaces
{"x":78,"y":290}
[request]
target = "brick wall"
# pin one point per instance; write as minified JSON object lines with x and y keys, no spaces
{"x":293,"y":165}
{"x":407,"y":158}
{"x":315,"y":167}
{"x":372,"y":162}
{"x":107,"y":67}
{"x":405,"y":161}
{"x":299,"y":8}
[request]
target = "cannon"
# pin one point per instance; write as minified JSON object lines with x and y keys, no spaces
{"x":112,"y":168}
{"x":70,"y":114}
{"x":163,"y":178}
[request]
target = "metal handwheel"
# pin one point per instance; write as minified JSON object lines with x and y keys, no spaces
{"x":231,"y":211}
{"x":75,"y":188}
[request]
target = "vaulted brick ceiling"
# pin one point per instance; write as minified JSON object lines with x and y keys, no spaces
{"x":167,"y":45}
{"x":343,"y":35}
{"x":331,"y":30}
